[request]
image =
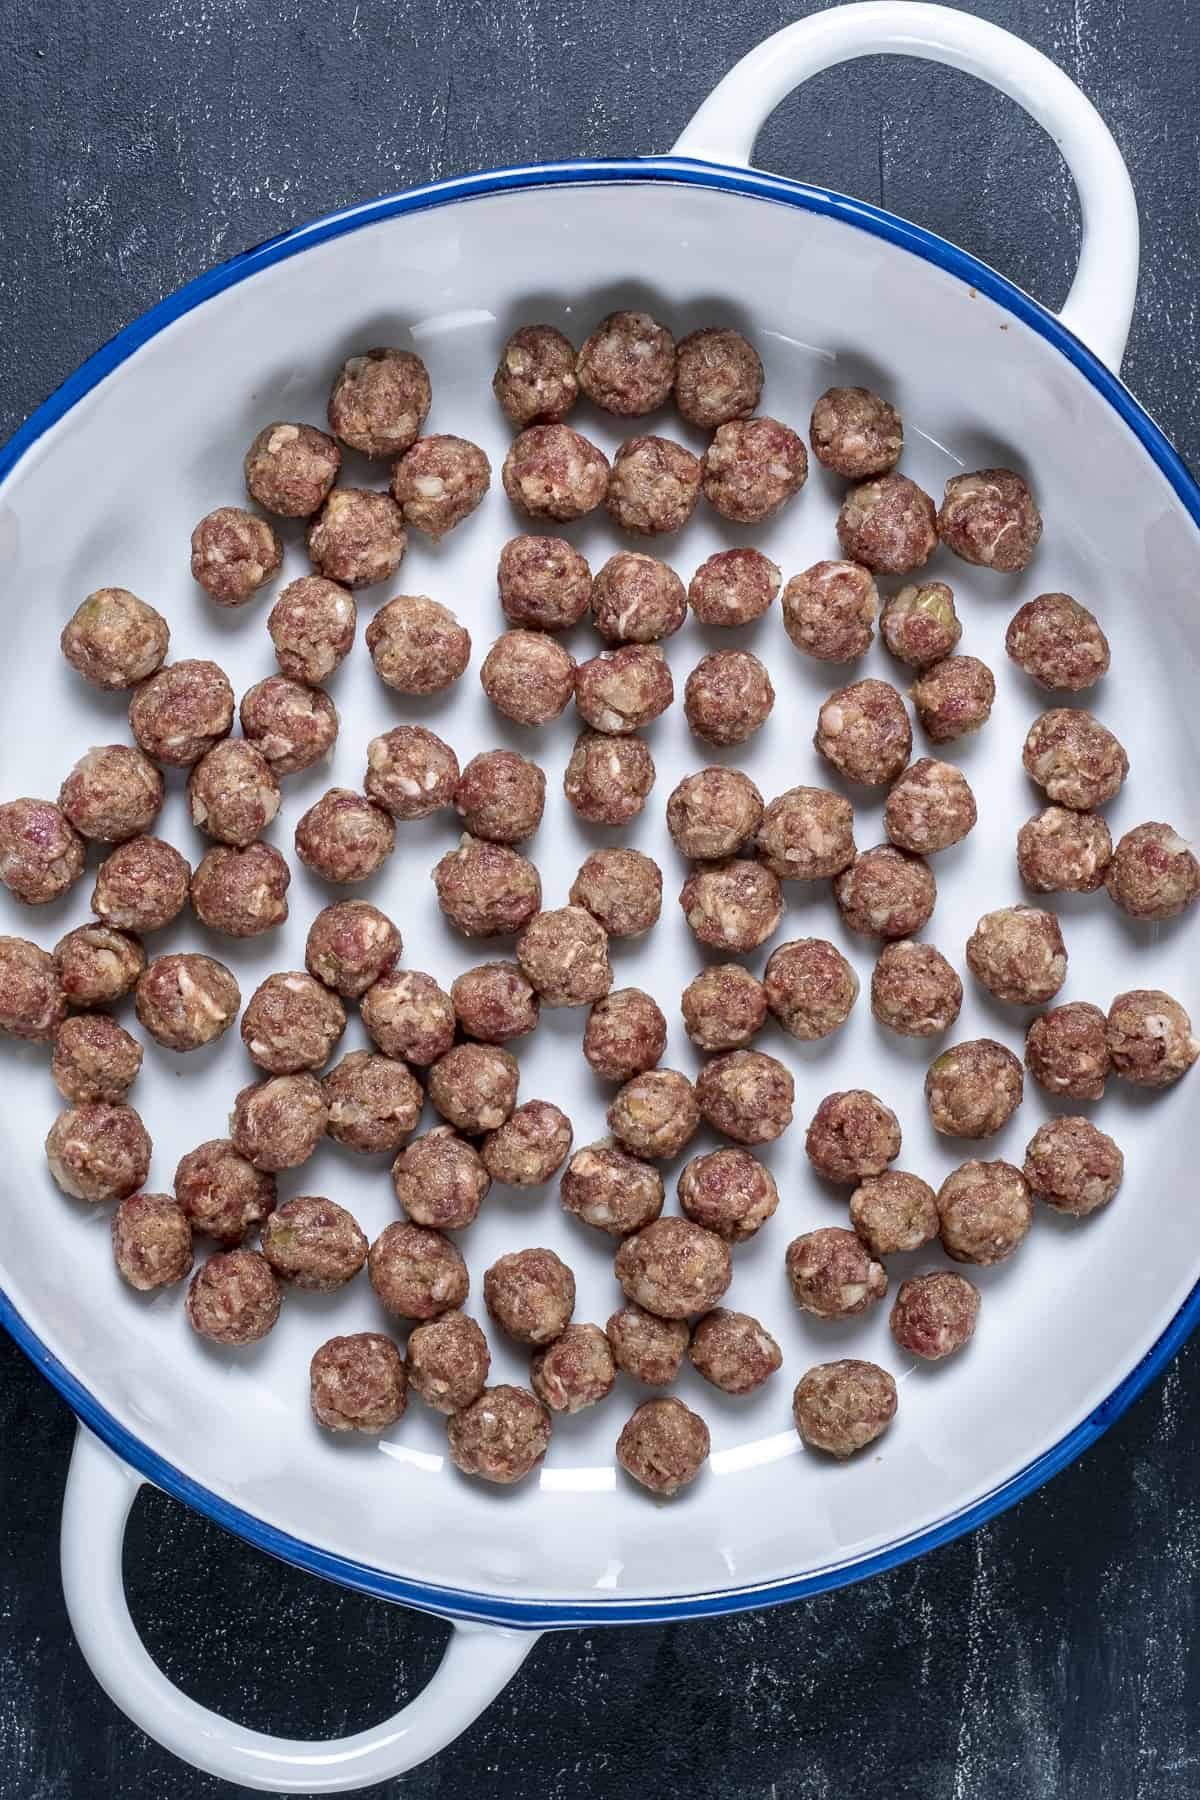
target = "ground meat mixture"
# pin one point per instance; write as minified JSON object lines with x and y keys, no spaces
{"x":314,"y":1243}
{"x":41,"y":853}
{"x":1072,"y":1166}
{"x":33,"y":1003}
{"x":141,"y":885}
{"x":723,"y":1006}
{"x":974,"y":1088}
{"x":733,"y":1351}
{"x":243,"y":892}
{"x":1059,"y":643}
{"x":575,"y":1371}
{"x":291,"y":1022}
{"x":985,"y":1211}
{"x":841,"y":1407}
{"x":474,"y":1086}
{"x":234,"y":1298}
{"x":864,"y":731}
{"x":623,"y":690}
{"x":544,"y":582}
{"x":411,"y":772}
{"x":441,"y":1181}
{"x":734,"y":587}
{"x":528,"y":677}
{"x":351,"y":944}
{"x":886,"y":893}
{"x":647,"y":1348}
{"x":612,"y":1190}
{"x":829,"y":611}
{"x":713,"y":813}
{"x":626,"y":1033}
{"x":627,"y":365}
{"x":94,"y":1059}
{"x":674,"y":1268}
{"x":930,"y":807}
{"x":637,"y":600}
{"x":448,"y":1362}
{"x":954,"y":697}
{"x":935,"y":1315}
{"x":416,"y":1273}
{"x":439,"y":483}
{"x":529,"y":1147}
{"x":735,"y":905}
{"x":552,"y":472}
{"x":114,"y":640}
{"x":1153,"y":873}
{"x":187,"y":1000}
{"x":608,"y":778}
{"x":487,"y":890}
{"x":112,"y":793}
{"x":654,"y":486}
{"x":97,"y":965}
{"x":621,"y":888}
{"x":277,"y":1124}
{"x":663,"y":1445}
{"x":500,"y":1437}
{"x":409,"y":1016}
{"x":728,"y":1191}
{"x":807,"y":834}
{"x":494,"y":1003}
{"x":728,"y":697}
{"x":919,"y":624}
{"x":152,"y":1241}
{"x":655,"y":1114}
{"x":990,"y":518}
{"x":182,"y":711}
{"x":290,"y":469}
{"x":358,"y":1383}
{"x":293,"y":725}
{"x":379,"y":401}
{"x":856,"y":433}
{"x":852,"y":1135}
{"x":746,"y":1095}
{"x":233,"y":553}
{"x":373,"y":1102}
{"x":1066,"y":1051}
{"x":1075,"y":758}
{"x":809,"y":988}
{"x":417,"y":645}
{"x":98,"y":1151}
{"x":718,"y":377}
{"x":1019,"y":955}
{"x":889,"y":525}
{"x":1060,"y":851}
{"x":1150,"y":1038}
{"x":357,"y":538}
{"x":221,"y":1193}
{"x":914,"y":991}
{"x":832,"y":1275}
{"x":345,"y":837}
{"x":752,"y":468}
{"x":501,"y":796}
{"x":894,"y":1212}
{"x":232,"y":793}
{"x":535,"y":378}
{"x":531,"y":1295}
{"x":564,"y":953}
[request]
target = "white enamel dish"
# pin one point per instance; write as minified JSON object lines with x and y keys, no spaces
{"x":104,"y":484}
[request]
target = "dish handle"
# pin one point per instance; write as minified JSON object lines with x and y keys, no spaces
{"x":1099,"y":307}
{"x":479,"y":1660}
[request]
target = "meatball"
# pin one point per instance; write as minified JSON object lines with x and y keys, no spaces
{"x":893,"y":1212}
{"x":529,"y":1147}
{"x":141,"y":885}
{"x":98,"y":1152}
{"x":441,"y":1181}
{"x":290,"y":1023}
{"x":112,"y":793}
{"x":636,"y":599}
{"x":974,"y":1088}
{"x":233,"y":553}
{"x":654,"y":486}
{"x":663,"y":1445}
{"x":417,"y":645}
{"x":500,"y":796}
{"x":807,"y":834}
{"x":313,"y":1243}
{"x":621,"y":888}
{"x":930,"y":807}
{"x":1066,"y":1051}
{"x":886,"y":893}
{"x":645,"y":1347}
{"x":735,"y":905}
{"x":544,"y":583}
{"x":487,"y":890}
{"x":728,"y":697}
{"x":1019,"y":955}
{"x":409,"y":1016}
{"x":411,"y":772}
{"x":312,"y":626}
{"x":608,"y":778}
{"x":625,"y":1034}
{"x":934,"y":1315}
{"x":863,"y":730}
{"x":221,"y":1193}
{"x":723,"y":1006}
{"x":832,"y":1274}
{"x":234,"y":1298}
{"x":439,"y":482}
{"x":232,"y":793}
{"x":809,"y":987}
{"x":611,"y":1190}
{"x":856,"y":433}
{"x":889,"y":525}
{"x":713,"y":813}
{"x":531,"y":1295}
{"x":292,"y":724}
{"x":841,"y":1407}
{"x":1150,"y":1038}
{"x":1153,"y":873}
{"x":114,"y":640}
{"x":528,"y":677}
{"x":379,"y":400}
{"x":954,"y":697}
{"x":985,"y":1212}
{"x":187,"y":1000}
{"x":752,"y":468}
{"x":623,"y":690}
{"x":535,"y":378}
{"x":289,"y":470}
{"x":1064,"y":852}
{"x":552,"y":472}
{"x":733,"y":1351}
{"x":728,"y":1191}
{"x":494,"y":1003}
{"x":734,"y":587}
{"x":416,"y":1273}
{"x":1058,"y":642}
{"x":1075,"y":758}
{"x":448,"y":1362}
{"x":674,"y":1268}
{"x":33,"y":1001}
{"x":350,"y":946}
{"x":500,"y":1437}
{"x":627,"y":364}
{"x":357,"y":538}
{"x":345,"y":837}
{"x":97,"y":965}
{"x":718,"y":377}
{"x":746,"y":1095}
{"x":41,"y":853}
{"x":829,"y":611}
{"x":919,"y":624}
{"x":152,"y":1241}
{"x":655,"y":1114}
{"x":914,"y":991}
{"x":474,"y":1086}
{"x":564,"y":954}
{"x":242,"y":892}
{"x":373,"y":1102}
{"x":182,"y":711}
{"x":358,"y":1383}
{"x":277,"y":1124}
{"x":852,"y":1135}
{"x":94,"y":1059}
{"x":575,"y":1371}
{"x":990,"y":518}
{"x":1072,"y":1166}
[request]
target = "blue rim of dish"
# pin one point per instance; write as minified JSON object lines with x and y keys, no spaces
{"x":535,"y":1614}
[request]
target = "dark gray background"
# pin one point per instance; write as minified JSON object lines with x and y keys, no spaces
{"x":1050,"y":1656}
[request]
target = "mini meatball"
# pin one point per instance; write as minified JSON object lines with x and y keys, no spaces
{"x":373,"y":1102}
{"x":934,"y":1315}
{"x":277,"y":1124}
{"x":735,"y":905}
{"x":852,"y":1135}
{"x":114,"y":640}
{"x":351,"y":945}
{"x":627,"y":364}
{"x":930,"y":807}
{"x":289,"y":469}
{"x":182,"y":711}
{"x":654,"y":486}
{"x":233,"y":1298}
{"x":841,"y":1407}
{"x":552,"y":472}
{"x":152,"y":1241}
{"x":807,"y":834}
{"x":291,"y":1023}
{"x":448,"y":1362}
{"x":94,"y":1059}
{"x":734,"y":587}
{"x":608,"y":778}
{"x":357,"y":538}
{"x":718,"y":377}
{"x":1075,"y":758}
{"x":728,"y":1191}
{"x":674,"y":1268}
{"x":313,"y":1243}
{"x":292,"y":724}
{"x":358,"y":1383}
{"x":487,"y":890}
{"x":141,"y":885}
{"x":990,"y":518}
{"x":919,"y":624}
{"x":441,"y":1181}
{"x":663,"y":1445}
{"x":1066,"y":1051}
{"x":221,"y":1193}
{"x":713,"y":813}
{"x":312,"y":626}
{"x":564,"y":954}
{"x":645,"y":1347}
{"x":531,"y":1295}
{"x":417,"y":645}
{"x":379,"y":401}
{"x":733,"y":1351}
{"x":728,"y":697}
{"x":528,"y":677}
{"x":242,"y":892}
{"x":894,"y":1212}
{"x":626,"y":1034}
{"x":1150,"y":1038}
{"x":810,"y":988}
{"x":864,"y":731}
{"x":416,"y":1273}
{"x":752,"y":468}
{"x":611,"y":1190}
{"x":1059,"y":643}
{"x":1064,"y":852}
{"x":974,"y":1088}
{"x":187,"y":1000}
{"x":112,"y":793}
{"x":439,"y":482}
{"x":746,"y":1095}
{"x":409,"y":1016}
{"x":723,"y":1006}
{"x":544,"y":583}
{"x":637,"y":600}
{"x":501,"y":796}
{"x":98,"y":1152}
{"x":494,"y":1003}
{"x":1072,"y":1166}
{"x":41,"y":853}
{"x":624,"y":690}
{"x":33,"y":1001}
{"x":656,"y":1114}
{"x":411,"y":772}
{"x":954,"y":697}
{"x":474,"y":1086}
{"x":345,"y":837}
{"x":914,"y":991}
{"x":500,"y":1437}
{"x":832,"y":1274}
{"x":233,"y":553}
{"x":1153,"y":873}
{"x":886,"y":893}
{"x":1019,"y":955}
{"x":575,"y":1371}
{"x":985,"y":1211}
{"x":856,"y":433}
{"x":829,"y":611}
{"x":232,"y":793}
{"x":97,"y":965}
{"x":529,"y":1147}
{"x":535,"y":378}
{"x":889,"y":525}
{"x":621,"y":888}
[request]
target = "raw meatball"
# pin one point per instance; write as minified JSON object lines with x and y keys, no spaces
{"x":474,"y":1086}
{"x":718,"y":377}
{"x":221,"y":1193}
{"x":930,"y":807}
{"x":990,"y":518}
{"x":289,"y":469}
{"x":416,"y":1273}
{"x":810,"y":988}
{"x":734,"y":587}
{"x":409,"y":1016}
{"x":832,"y":1274}
{"x":112,"y":793}
{"x":529,"y":1147}
{"x":856,"y":433}
{"x":379,"y":401}
{"x":1072,"y":1166}
{"x":357,"y":538}
{"x":544,"y":582}
{"x":663,"y":1445}
{"x":621,"y":888}
{"x":564,"y":953}
{"x":187,"y":1000}
{"x":713,"y":813}
{"x":1075,"y":758}
{"x":674,"y":1268}
{"x":1153,"y":873}
{"x":728,"y":697}
{"x":114,"y":640}
{"x":312,"y":626}
{"x":293,"y":725}
{"x":1150,"y":1038}
{"x":893,"y":1212}
{"x":733,"y":1351}
{"x":242,"y":892}
{"x":654,"y":486}
{"x":852,"y":1135}
{"x":985,"y":1211}
{"x":723,"y":1007}
{"x":441,"y":1180}
{"x":627,"y":365}
{"x":807,"y":834}
{"x":94,"y":1059}
{"x":889,"y":524}
{"x":494,"y":1003}
{"x":152,"y":1241}
{"x":914,"y":991}
{"x":1019,"y":955}
{"x":345,"y":837}
{"x":234,"y":1298}
{"x":623,"y":690}
{"x":98,"y":1152}
{"x":829,"y":611}
{"x":886,"y":893}
{"x":954,"y":697}
{"x":411,"y":772}
{"x":41,"y":853}
{"x":1064,"y":852}
{"x":575,"y":1371}
{"x":729,"y":1192}
{"x":608,"y":778}
{"x":752,"y":468}
{"x":647,"y":1348}
{"x":439,"y":483}
{"x":552,"y":472}
{"x":351,"y":945}
{"x":734,"y":905}
{"x":636,"y":599}
{"x":417,"y":645}
{"x":531,"y":1295}
{"x":141,"y":885}
{"x":974,"y":1088}
{"x":448,"y":1362}
{"x":487,"y":890}
{"x":233,"y":553}
{"x":291,"y":1023}
{"x":746,"y":1095}
{"x":33,"y":1003}
{"x":358,"y":1383}
{"x":535,"y":377}
{"x":626,"y":1034}
{"x":611,"y":1190}
{"x":1066,"y":1051}
{"x":501,"y":796}
{"x":373,"y":1102}
{"x":501,"y":1437}
{"x":935,"y":1315}
{"x":1058,"y":642}
{"x":528,"y":677}
{"x":277,"y":1124}
{"x":841,"y":1407}
{"x":97,"y":965}
{"x":182,"y":711}
{"x":314,"y":1243}
{"x":656,"y":1114}
{"x":863,"y":730}
{"x":232,"y":793}
{"x":919,"y":624}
